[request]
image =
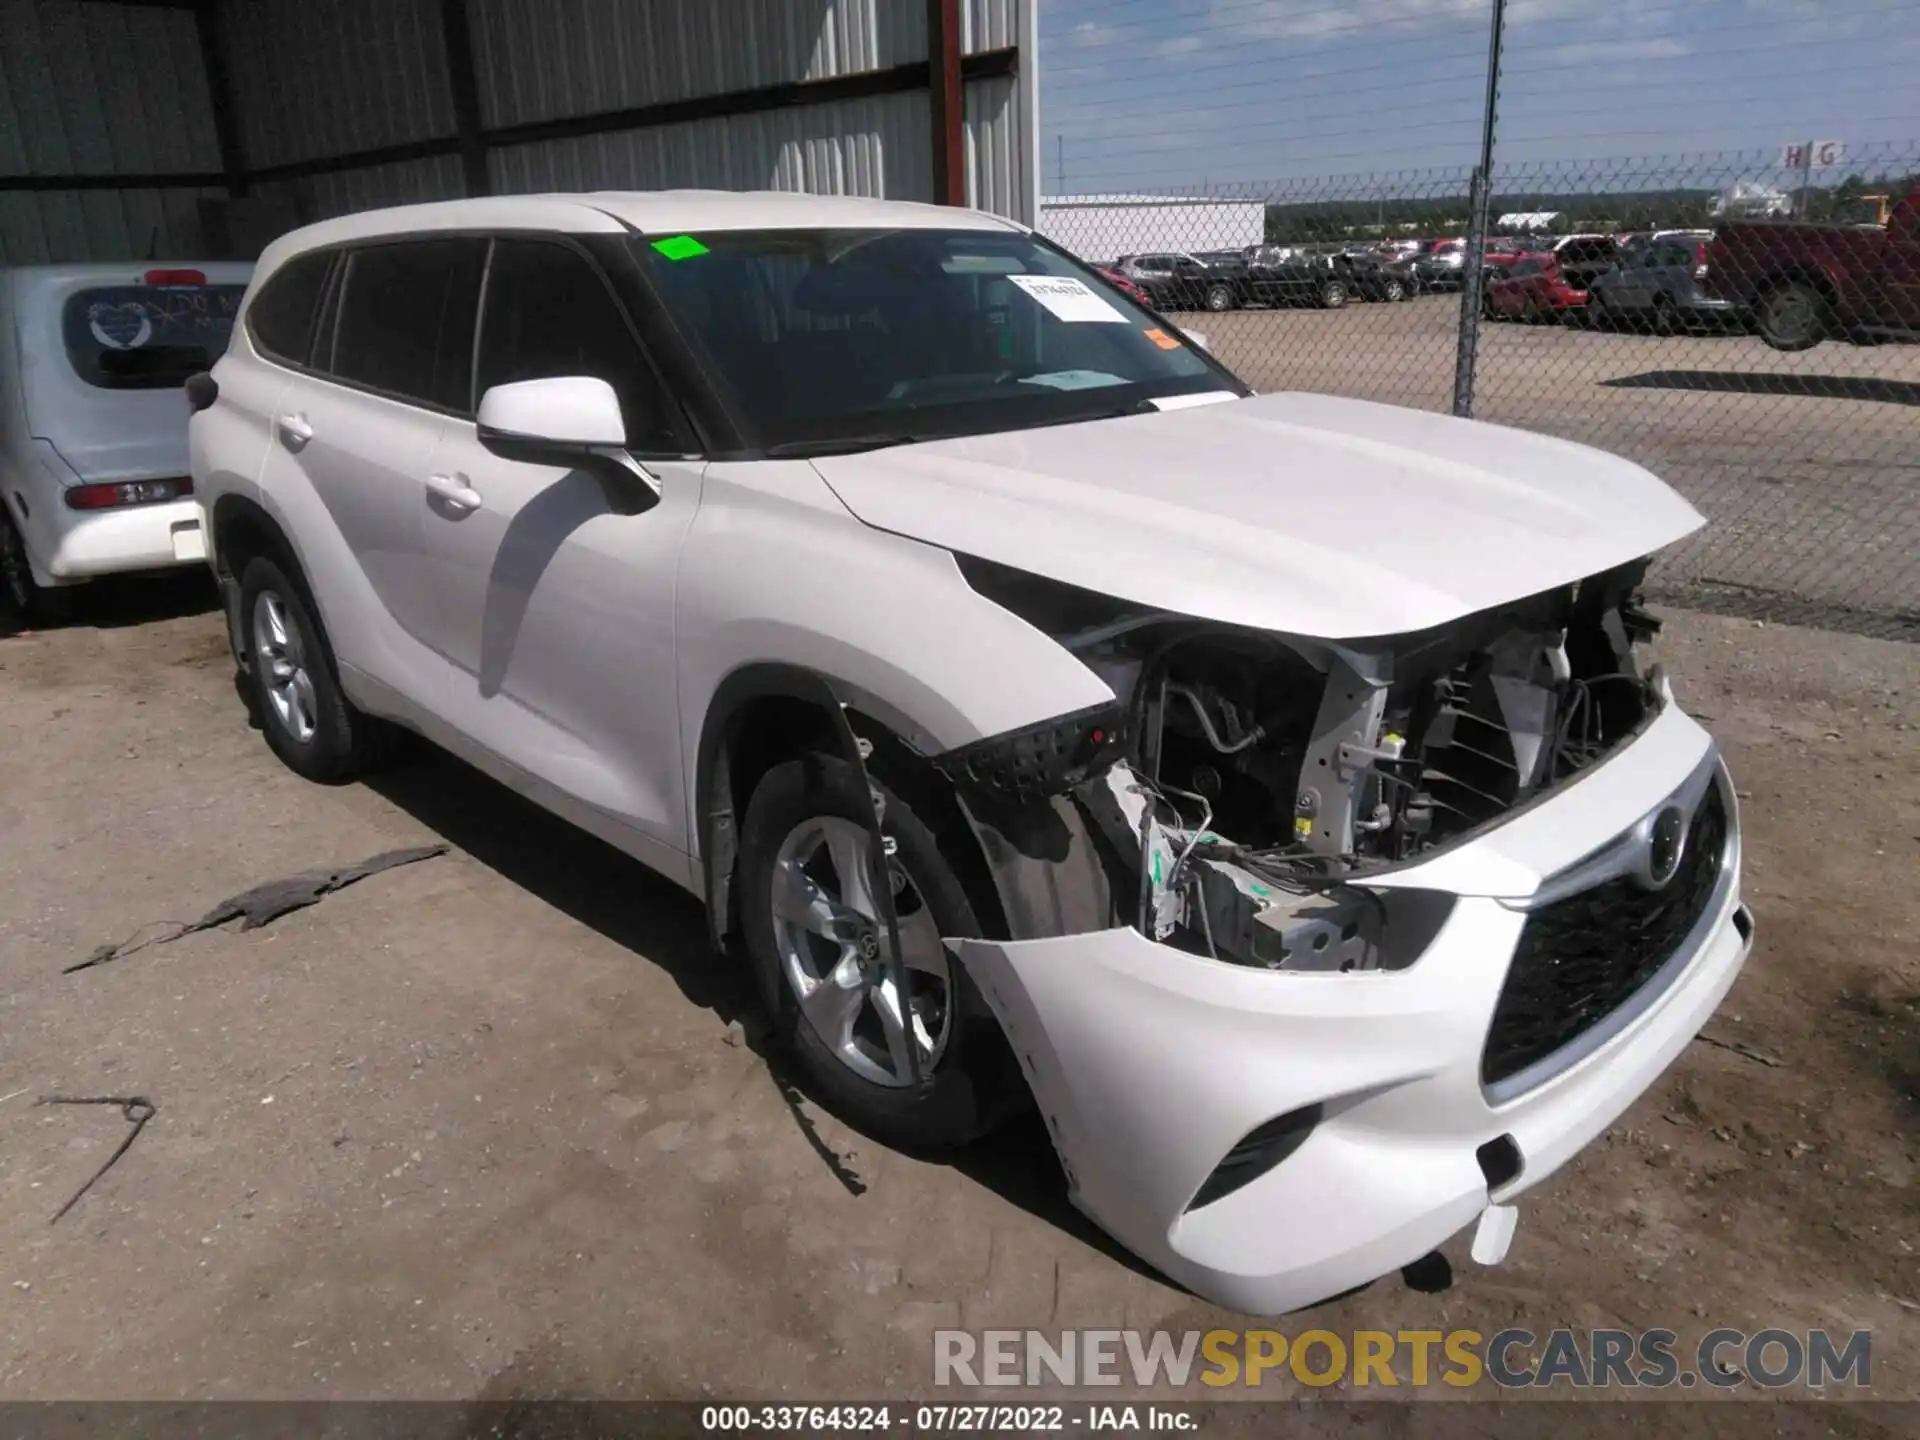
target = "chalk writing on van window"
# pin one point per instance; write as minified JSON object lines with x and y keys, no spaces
{"x":122,"y":320}
{"x":138,"y":337}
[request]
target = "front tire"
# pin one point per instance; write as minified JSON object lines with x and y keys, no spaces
{"x":1393,"y":291}
{"x":1792,"y":316}
{"x":1219,"y":297}
{"x":814,"y":946}
{"x":294,"y":683}
{"x":1333,"y":295}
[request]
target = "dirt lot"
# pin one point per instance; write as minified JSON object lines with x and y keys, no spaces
{"x":474,"y":1128}
{"x":1803,"y":463}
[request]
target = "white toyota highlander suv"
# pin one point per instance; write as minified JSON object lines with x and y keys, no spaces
{"x":1270,"y":788}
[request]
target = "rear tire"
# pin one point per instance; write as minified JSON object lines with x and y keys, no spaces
{"x":971,"y":1080}
{"x":1792,"y":316}
{"x":1333,"y":295}
{"x":40,"y":607}
{"x":294,"y":681}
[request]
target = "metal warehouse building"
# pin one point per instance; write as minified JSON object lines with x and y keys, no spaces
{"x":1105,"y":227}
{"x":185,"y":128}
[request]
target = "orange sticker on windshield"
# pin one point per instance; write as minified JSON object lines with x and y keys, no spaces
{"x":1162,"y":339}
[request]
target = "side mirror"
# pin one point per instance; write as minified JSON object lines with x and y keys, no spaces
{"x":570,"y":420}
{"x":556,"y":421}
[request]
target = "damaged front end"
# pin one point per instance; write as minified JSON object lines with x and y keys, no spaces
{"x":1242,"y":782}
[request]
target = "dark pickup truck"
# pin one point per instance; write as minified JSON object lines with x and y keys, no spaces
{"x":1805,"y":282}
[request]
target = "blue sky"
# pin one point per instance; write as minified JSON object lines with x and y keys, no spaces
{"x":1168,"y":94}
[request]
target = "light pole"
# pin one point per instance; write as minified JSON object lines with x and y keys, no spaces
{"x":1471,"y":279}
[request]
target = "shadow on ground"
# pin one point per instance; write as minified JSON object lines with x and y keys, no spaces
{"x":618,"y":897}
{"x":118,"y":601}
{"x":1746,"y":382}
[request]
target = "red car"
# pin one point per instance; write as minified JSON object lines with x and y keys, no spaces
{"x":1803,"y":283}
{"x":1533,"y":288}
{"x":1125,"y":286}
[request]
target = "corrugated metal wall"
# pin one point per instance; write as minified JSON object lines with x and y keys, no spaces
{"x":856,"y":147}
{"x":100,"y":89}
{"x":94,"y":87}
{"x":316,"y":78}
{"x":988,"y":25}
{"x":541,"y":61}
{"x":368,"y":187}
{"x":544,"y":60}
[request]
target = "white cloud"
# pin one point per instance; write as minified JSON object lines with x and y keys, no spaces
{"x":1613,"y":52}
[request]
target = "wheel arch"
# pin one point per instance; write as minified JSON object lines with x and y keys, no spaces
{"x":1798,"y":273}
{"x":764,"y":714}
{"x":240,"y":529}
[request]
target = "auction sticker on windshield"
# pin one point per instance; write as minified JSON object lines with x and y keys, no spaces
{"x":1069,"y":299}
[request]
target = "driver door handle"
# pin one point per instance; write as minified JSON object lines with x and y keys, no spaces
{"x":295,"y":430}
{"x":455,"y":491}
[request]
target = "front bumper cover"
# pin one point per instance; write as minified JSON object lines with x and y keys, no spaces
{"x":1150,"y":1063}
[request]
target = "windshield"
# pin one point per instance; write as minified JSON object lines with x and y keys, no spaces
{"x":825,"y":337}
{"x":144,"y":337}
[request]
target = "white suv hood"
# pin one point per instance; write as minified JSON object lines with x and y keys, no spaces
{"x":1305,"y":514}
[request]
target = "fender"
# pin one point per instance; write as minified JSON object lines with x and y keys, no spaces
{"x":715,"y":825}
{"x":1050,"y":870}
{"x":719,"y":838}
{"x":232,"y":509}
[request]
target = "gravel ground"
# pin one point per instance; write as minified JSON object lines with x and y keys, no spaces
{"x":1804,"y":464}
{"x":474,"y":1128}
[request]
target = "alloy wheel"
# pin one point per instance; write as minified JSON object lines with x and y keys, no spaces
{"x":1792,"y":314}
{"x":830,"y":944}
{"x":281,"y":654}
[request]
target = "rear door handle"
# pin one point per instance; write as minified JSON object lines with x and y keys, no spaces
{"x":295,"y":430}
{"x":455,"y":491}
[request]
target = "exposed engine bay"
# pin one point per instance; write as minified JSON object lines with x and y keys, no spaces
{"x":1251,"y":778}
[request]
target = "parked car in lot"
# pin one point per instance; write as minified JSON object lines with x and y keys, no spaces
{"x":1041,"y":717}
{"x":1375,"y":275}
{"x":1183,"y":282}
{"x":1658,"y":288}
{"x":1125,"y":286}
{"x":1442,"y":267}
{"x":1531,"y":287}
{"x":1298,"y":275}
{"x":93,"y":431}
{"x":1805,"y":282}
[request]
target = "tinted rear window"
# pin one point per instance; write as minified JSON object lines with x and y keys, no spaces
{"x":283,"y":313}
{"x":145,"y":337}
{"x":406,"y":319}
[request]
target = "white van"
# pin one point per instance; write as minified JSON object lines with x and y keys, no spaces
{"x":93,"y":424}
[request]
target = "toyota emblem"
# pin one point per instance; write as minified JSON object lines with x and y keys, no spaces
{"x":1666,"y":845}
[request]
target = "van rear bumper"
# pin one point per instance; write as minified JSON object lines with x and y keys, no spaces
{"x":107,"y":542}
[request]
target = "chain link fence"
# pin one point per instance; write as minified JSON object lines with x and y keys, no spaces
{"x":1740,"y":322}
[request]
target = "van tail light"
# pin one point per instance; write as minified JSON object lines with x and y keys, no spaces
{"x":116,"y":494}
{"x":176,"y":277}
{"x":1700,"y":261}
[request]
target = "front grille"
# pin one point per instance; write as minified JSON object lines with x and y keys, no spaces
{"x":1581,"y":958}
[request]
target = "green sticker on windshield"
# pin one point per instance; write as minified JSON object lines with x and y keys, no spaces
{"x":680,"y":247}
